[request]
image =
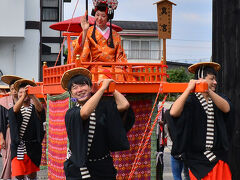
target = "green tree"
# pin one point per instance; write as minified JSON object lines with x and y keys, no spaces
{"x":65,"y":54}
{"x":178,"y":75}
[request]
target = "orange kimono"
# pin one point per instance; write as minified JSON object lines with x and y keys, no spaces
{"x":100,"y":52}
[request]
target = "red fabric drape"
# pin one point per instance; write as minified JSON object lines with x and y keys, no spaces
{"x":57,"y":139}
{"x":123,"y":160}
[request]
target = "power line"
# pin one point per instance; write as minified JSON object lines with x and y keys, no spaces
{"x":189,"y":60}
{"x":178,"y":59}
{"x":182,"y":46}
{"x":193,"y":40}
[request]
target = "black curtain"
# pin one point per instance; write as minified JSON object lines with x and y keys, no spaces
{"x":226,"y":51}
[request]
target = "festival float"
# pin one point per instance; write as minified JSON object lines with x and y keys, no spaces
{"x":142,"y":85}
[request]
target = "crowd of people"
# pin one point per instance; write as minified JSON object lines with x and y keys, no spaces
{"x":200,"y":124}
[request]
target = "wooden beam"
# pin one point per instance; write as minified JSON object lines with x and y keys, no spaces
{"x":133,"y":87}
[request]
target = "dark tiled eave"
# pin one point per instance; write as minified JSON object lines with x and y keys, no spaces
{"x":137,"y":25}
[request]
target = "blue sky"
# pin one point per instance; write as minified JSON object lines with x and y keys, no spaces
{"x":191,"y":26}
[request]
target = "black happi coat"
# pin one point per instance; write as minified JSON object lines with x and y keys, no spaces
{"x":3,"y":120}
{"x":188,"y":133}
{"x":33,"y":135}
{"x":110,"y":136}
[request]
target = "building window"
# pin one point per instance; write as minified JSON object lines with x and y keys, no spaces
{"x":155,"y":50}
{"x":142,"y":49}
{"x":145,"y":50}
{"x":50,"y":14}
{"x":126,"y":47}
{"x":134,"y":50}
{"x":50,"y":3}
{"x":50,"y":10}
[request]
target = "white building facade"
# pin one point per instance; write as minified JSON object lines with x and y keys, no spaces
{"x":140,"y":41}
{"x":19,"y":46}
{"x":25,"y":37}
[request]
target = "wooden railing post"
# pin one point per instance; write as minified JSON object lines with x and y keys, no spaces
{"x":78,"y":62}
{"x":69,"y":60}
{"x":44,"y":71}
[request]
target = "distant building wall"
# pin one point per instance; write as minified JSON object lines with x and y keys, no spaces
{"x":142,"y":49}
{"x":174,"y":65}
{"x":20,"y":56}
{"x":20,"y":40}
{"x":52,"y":13}
{"x":12,"y":18}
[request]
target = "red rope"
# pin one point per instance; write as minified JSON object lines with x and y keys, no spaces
{"x":149,"y":120}
{"x":147,"y":140}
{"x":142,"y":147}
{"x":67,"y":31}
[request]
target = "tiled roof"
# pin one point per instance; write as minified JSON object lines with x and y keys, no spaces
{"x":137,"y":25}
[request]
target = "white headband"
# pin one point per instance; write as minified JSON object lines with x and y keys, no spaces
{"x":200,"y":71}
